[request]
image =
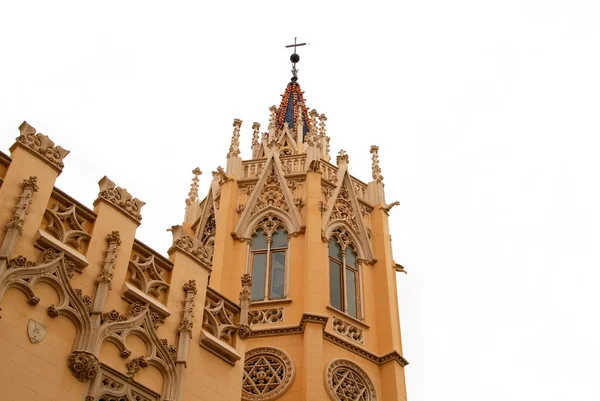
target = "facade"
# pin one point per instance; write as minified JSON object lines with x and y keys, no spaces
{"x":280,"y":282}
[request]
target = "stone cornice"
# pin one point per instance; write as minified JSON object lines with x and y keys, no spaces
{"x":360,"y":351}
{"x":322,"y":320}
{"x":41,"y":146}
{"x":5,"y":159}
{"x":297,"y":329}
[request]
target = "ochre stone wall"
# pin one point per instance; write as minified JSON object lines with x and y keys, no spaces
{"x":170,"y":335}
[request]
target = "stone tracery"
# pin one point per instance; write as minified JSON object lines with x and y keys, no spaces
{"x":268,"y":373}
{"x":346,"y":381}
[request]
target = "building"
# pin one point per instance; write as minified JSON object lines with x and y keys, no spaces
{"x":280,"y":282}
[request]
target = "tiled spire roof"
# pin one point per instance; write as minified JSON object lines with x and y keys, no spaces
{"x":288,"y":109}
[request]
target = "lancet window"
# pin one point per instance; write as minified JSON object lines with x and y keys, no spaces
{"x":344,"y":283}
{"x":268,"y":259}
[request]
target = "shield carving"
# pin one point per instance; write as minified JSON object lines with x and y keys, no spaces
{"x":36,"y":331}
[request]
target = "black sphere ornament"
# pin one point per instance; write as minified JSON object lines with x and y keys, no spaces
{"x":294,"y":58}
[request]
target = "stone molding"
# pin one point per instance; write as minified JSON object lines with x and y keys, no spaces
{"x":268,"y":374}
{"x":120,"y":199}
{"x":360,"y":351}
{"x":346,"y":380}
{"x":41,"y":146}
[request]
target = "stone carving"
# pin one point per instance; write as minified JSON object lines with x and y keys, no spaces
{"x":135,"y":365}
{"x":110,"y":383}
{"x":192,"y":246}
{"x":261,"y":316}
{"x":245,"y":299}
{"x":147,"y":276}
{"x":349,"y":330}
{"x":234,"y":148}
{"x":66,"y":226}
{"x":171,"y":348}
{"x":14,"y":227}
{"x":343,"y":210}
{"x":389,"y":206}
{"x":104,"y":279}
{"x":342,"y":157}
{"x":186,"y":326}
{"x":299,"y":203}
{"x":218,"y":319}
{"x":193,"y":194}
{"x":113,"y":316}
{"x":84,"y":365}
{"x":271,"y":194}
{"x":268,"y":373}
{"x":120,"y":198}
{"x":85,"y":299}
{"x":20,"y":261}
{"x":36,"y":331}
{"x":375,"y":167}
{"x":346,"y":381}
{"x":255,"y":131}
{"x":42,"y":146}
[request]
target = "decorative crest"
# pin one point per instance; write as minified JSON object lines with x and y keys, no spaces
{"x":342,"y":157}
{"x":42,"y":146}
{"x":120,"y":198}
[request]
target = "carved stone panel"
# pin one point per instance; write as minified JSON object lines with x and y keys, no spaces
{"x":36,"y":331}
{"x":268,"y":374}
{"x":346,"y":381}
{"x":261,"y":316}
{"x":348,"y":330}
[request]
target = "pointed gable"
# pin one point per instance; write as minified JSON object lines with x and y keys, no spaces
{"x":343,"y":208}
{"x":271,"y":195}
{"x":207,"y":225}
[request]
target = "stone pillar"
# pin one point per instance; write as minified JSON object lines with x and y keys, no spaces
{"x":316,"y":277}
{"x":225,"y":272}
{"x":33,"y":155}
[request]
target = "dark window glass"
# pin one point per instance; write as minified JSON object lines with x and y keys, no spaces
{"x":259,"y":240}
{"x":259,"y":267}
{"x":277,"y":274}
{"x":335,"y":250}
{"x":335,"y":284}
{"x":350,"y":257}
{"x":280,"y":239}
{"x":351,"y":292}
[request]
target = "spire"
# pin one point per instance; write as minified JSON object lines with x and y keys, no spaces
{"x":293,"y":108}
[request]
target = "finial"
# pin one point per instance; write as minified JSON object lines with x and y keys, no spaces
{"x":376,"y":169}
{"x":294,"y":58}
{"x":342,"y":156}
{"x":234,"y":149}
{"x":255,"y":128}
{"x":193,"y":195}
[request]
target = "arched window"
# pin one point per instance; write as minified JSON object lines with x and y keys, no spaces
{"x":343,"y":275}
{"x":268,"y":259}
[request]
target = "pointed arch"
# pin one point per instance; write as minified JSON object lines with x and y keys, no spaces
{"x":270,"y":195}
{"x":343,"y":209}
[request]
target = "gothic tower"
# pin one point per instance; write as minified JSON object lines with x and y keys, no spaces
{"x":280,"y":282}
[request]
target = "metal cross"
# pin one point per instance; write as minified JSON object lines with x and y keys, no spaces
{"x":295,"y":45}
{"x":294,"y":58}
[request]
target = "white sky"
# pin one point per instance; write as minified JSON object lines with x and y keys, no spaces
{"x":486,"y":114}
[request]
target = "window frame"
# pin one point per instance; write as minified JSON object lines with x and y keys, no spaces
{"x":344,"y":245}
{"x":269,"y":251}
